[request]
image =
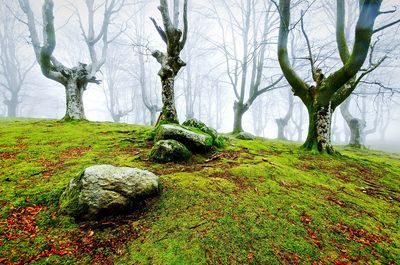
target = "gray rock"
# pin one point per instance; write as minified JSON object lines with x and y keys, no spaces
{"x":169,"y":151}
{"x":245,"y":136}
{"x":105,"y":189}
{"x":194,"y":139}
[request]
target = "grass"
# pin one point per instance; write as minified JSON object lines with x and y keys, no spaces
{"x":253,"y":202}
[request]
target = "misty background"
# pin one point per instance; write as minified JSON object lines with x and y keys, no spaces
{"x":131,"y":87}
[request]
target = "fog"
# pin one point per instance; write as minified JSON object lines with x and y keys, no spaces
{"x":215,"y":53}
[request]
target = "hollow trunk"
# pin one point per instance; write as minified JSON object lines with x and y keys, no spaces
{"x":319,"y":129}
{"x":74,"y":97}
{"x":357,"y":127}
{"x":238,"y":109}
{"x":281,"y":123}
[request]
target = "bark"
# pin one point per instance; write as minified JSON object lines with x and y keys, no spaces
{"x":168,"y":112}
{"x":170,"y":61}
{"x":74,"y":92}
{"x":239,"y":109}
{"x":319,"y":129}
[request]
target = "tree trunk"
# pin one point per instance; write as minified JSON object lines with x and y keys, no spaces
{"x":74,"y":98}
{"x":357,"y":127}
{"x":153,"y":114}
{"x":168,"y":112}
{"x":239,"y":109}
{"x":319,"y":129}
{"x":281,"y":123}
{"x":12,"y":105}
{"x":189,"y":115}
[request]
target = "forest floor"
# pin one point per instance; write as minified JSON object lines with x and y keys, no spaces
{"x":252,"y":202}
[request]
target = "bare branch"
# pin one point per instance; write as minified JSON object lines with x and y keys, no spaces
{"x":159,"y":30}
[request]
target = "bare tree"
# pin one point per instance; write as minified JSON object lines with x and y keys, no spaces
{"x":282,"y":122}
{"x":114,"y":87}
{"x":13,"y":67}
{"x":244,"y":49}
{"x":328,"y":92}
{"x":170,"y":61}
{"x":75,"y":79}
{"x":357,"y":126}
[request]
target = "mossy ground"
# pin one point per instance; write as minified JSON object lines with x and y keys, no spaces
{"x":253,"y":202}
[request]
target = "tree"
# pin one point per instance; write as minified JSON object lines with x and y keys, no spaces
{"x":113,"y":87}
{"x":75,"y":79}
{"x":244,"y":48}
{"x":357,"y":126}
{"x":282,"y":122}
{"x":170,"y":61}
{"x":13,"y":67}
{"x":328,"y":92}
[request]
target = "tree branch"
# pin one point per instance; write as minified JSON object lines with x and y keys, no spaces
{"x":159,"y":30}
{"x":299,"y":87}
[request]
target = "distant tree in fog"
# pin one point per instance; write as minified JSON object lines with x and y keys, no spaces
{"x":244,"y":45}
{"x":14,"y":68}
{"x":75,"y":79}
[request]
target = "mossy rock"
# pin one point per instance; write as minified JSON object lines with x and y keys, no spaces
{"x":104,"y":189}
{"x":202,"y":127}
{"x":245,"y":136}
{"x":194,"y":139}
{"x":218,"y":141}
{"x":169,"y":151}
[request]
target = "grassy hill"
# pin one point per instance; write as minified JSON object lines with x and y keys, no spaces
{"x":253,"y":202}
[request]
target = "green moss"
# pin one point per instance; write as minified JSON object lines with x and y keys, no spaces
{"x":193,"y":138}
{"x":169,"y":151}
{"x":243,"y":204}
{"x":69,"y":200}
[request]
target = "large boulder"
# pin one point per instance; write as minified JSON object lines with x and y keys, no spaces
{"x":105,"y":189}
{"x":245,"y":136}
{"x":194,"y":139}
{"x":169,"y":151}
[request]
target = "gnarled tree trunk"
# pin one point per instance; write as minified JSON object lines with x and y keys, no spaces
{"x":319,"y":129}
{"x":170,"y":61}
{"x":168,"y":111}
{"x":74,"y":97}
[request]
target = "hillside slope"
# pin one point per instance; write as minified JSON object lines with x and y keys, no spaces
{"x":253,"y":202}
